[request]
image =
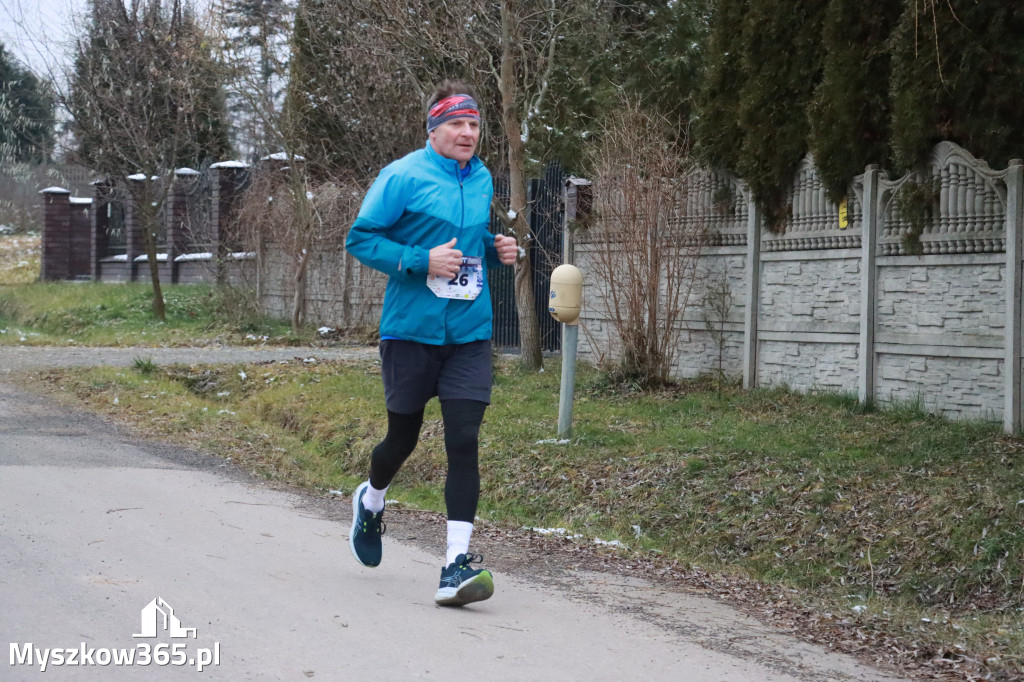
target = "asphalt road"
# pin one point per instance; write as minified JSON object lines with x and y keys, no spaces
{"x":95,"y":525}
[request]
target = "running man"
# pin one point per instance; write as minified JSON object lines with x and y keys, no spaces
{"x":424,"y":223}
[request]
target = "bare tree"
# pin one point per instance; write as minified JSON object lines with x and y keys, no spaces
{"x":509,"y":49}
{"x":144,"y":97}
{"x":718,"y":303}
{"x":255,"y":36}
{"x":644,"y":249}
{"x":301,"y":218}
{"x":303,"y":194}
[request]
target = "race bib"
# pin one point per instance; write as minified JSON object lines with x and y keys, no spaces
{"x":466,"y":285}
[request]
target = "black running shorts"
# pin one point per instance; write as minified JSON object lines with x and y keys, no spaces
{"x":415,"y":372}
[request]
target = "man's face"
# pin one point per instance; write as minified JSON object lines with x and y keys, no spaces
{"x":456,"y":139}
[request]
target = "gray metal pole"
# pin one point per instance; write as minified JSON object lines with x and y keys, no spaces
{"x":570,"y":337}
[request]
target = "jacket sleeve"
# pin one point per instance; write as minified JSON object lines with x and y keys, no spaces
{"x":369,"y":237}
{"x":490,"y":252}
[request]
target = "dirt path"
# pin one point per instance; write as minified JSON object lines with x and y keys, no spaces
{"x":21,"y":358}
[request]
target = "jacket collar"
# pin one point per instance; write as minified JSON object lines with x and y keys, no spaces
{"x":449,"y":165}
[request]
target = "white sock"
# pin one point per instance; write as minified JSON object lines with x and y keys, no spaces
{"x":373,"y":499}
{"x":459,"y":533}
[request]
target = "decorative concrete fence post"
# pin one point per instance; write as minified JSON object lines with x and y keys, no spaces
{"x":868,"y":279}
{"x":753,"y":285}
{"x":1014,"y":253}
{"x":55,"y":263}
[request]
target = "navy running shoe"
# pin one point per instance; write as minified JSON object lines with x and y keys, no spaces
{"x":461,"y":584}
{"x":367,"y":527}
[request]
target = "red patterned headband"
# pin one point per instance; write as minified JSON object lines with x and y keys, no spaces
{"x":456,"y":106}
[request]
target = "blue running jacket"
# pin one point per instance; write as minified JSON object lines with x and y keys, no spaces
{"x":416,"y":203}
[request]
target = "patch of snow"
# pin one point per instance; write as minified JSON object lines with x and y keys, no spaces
{"x":243,"y":255}
{"x":186,"y":171}
{"x":512,"y":214}
{"x":281,"y":156}
{"x":561,"y":532}
{"x":80,"y":201}
{"x":160,"y":257}
{"x":185,"y":257}
{"x":608,"y":543}
{"x":552,"y":441}
{"x":229,"y":164}
{"x":54,"y":190}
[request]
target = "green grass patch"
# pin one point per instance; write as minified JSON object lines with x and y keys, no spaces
{"x":96,"y":314}
{"x":890,"y":515}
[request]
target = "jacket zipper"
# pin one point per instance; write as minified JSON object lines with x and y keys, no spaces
{"x":462,"y":197}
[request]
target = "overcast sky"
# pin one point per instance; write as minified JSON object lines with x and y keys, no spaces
{"x":36,"y":32}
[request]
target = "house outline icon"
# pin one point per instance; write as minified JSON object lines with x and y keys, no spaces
{"x":151,"y":622}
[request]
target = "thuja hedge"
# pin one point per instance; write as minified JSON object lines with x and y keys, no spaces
{"x":857,"y":83}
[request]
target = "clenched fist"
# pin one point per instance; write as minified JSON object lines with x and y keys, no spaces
{"x":507,"y":248}
{"x":445,"y":260}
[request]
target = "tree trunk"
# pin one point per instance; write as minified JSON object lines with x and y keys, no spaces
{"x":529,"y":329}
{"x":149,"y":225}
{"x":299,"y":299}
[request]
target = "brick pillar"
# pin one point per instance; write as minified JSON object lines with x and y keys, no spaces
{"x":578,"y":200}
{"x":229,"y":179}
{"x":81,"y":238}
{"x":176,"y":216}
{"x":134,"y":239}
{"x":98,"y":238}
{"x":56,"y":248}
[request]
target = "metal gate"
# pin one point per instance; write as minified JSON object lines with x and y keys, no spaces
{"x":546,"y":211}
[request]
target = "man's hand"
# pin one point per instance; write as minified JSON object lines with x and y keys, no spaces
{"x":445,"y":261}
{"x":507,"y":248}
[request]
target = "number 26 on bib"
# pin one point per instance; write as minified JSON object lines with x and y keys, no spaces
{"x":466,"y":285}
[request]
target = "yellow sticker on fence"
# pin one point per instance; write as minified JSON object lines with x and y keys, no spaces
{"x":844,"y":221}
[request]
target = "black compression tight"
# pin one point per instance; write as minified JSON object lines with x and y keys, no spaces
{"x":462,"y":419}
{"x":398,"y":444}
